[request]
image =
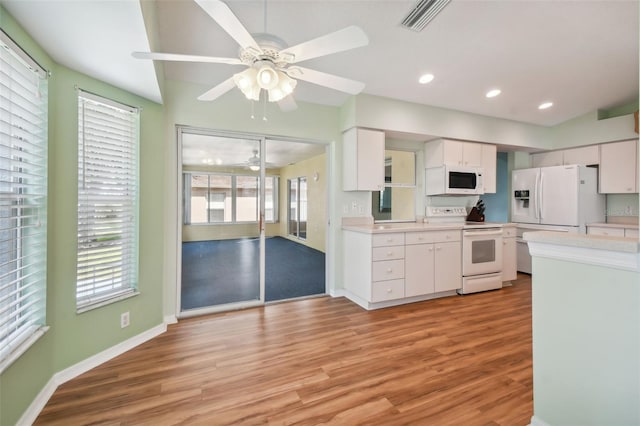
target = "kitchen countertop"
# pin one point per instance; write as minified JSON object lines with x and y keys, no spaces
{"x":599,"y":242}
{"x":614,"y":225}
{"x":381,"y":228}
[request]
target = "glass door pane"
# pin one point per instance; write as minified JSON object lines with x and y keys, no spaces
{"x":293,"y":207}
{"x":295,"y":241}
{"x":221,"y":233}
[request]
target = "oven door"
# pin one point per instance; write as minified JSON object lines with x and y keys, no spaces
{"x":481,"y":251}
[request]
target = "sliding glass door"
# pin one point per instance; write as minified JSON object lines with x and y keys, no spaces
{"x":222,"y":222}
{"x":245,"y":218}
{"x":297,"y":192}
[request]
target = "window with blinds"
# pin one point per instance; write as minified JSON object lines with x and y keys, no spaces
{"x":108,"y":139}
{"x":23,"y":201}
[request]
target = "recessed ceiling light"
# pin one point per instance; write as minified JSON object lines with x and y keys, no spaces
{"x":545,"y":105}
{"x":425,"y":78}
{"x":493,"y":93}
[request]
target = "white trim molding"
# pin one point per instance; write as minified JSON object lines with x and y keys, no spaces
{"x":61,"y":377}
{"x":536,"y":421}
{"x":589,"y":256}
{"x":609,"y":252}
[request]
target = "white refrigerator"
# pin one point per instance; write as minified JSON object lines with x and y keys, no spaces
{"x":559,"y":198}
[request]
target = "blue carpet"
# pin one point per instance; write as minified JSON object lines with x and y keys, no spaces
{"x":226,"y":271}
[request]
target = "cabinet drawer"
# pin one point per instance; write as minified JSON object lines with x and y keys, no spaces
{"x":446,"y":236}
{"x":388,"y":253}
{"x":387,"y":270}
{"x":393,"y":239}
{"x":508,"y":232}
{"x":418,"y":238}
{"x":612,"y":232}
{"x":630,"y":233}
{"x":387,"y":290}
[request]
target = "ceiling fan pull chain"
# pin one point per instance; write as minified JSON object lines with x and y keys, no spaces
{"x":253,"y":116}
{"x":264,"y":108}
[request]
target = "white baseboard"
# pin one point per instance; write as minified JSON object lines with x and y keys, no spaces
{"x":339,"y":292}
{"x":30,"y":415}
{"x":535,"y":421}
{"x":170,"y":319}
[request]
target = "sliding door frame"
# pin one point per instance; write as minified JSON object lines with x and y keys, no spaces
{"x":263,"y":139}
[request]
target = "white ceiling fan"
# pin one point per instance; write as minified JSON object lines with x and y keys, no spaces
{"x":270,"y":63}
{"x":253,"y":162}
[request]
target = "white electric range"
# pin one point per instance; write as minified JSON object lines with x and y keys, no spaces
{"x":481,"y":248}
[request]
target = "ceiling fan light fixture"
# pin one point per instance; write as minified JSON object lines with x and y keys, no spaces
{"x":284,"y":88}
{"x":267,"y":77}
{"x":246,"y":82}
{"x":254,"y":168}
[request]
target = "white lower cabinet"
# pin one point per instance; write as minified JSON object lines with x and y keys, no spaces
{"x":448,"y":266}
{"x":433,"y":262}
{"x":419,"y":262}
{"x":509,"y":256}
{"x":394,"y":266}
{"x":613,"y":230}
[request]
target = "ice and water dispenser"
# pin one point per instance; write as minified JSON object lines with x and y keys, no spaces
{"x":522,"y":198}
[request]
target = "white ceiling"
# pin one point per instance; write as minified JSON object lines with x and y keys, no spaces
{"x":580,"y":54}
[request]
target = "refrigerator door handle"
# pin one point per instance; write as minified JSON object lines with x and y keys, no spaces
{"x":535,"y":196}
{"x":540,"y":196}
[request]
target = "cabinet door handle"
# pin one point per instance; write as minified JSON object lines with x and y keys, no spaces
{"x":389,"y":253}
{"x":438,"y":248}
{"x":389,"y":290}
{"x":389,"y":271}
{"x":430,"y":248}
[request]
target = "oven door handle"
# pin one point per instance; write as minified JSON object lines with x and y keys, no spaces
{"x":481,"y":232}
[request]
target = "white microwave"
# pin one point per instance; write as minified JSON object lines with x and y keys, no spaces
{"x":453,"y":180}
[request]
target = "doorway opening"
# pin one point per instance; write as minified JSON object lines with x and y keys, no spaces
{"x":240,"y":245}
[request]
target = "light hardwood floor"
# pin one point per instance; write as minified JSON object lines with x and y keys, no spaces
{"x":462,"y":360}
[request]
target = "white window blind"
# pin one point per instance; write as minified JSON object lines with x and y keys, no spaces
{"x":108,"y":134}
{"x":23,"y":201}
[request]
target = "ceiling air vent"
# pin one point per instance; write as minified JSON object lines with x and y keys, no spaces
{"x":422,"y":13}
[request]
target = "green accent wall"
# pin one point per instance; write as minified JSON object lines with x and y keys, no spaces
{"x":75,"y":337}
{"x":586,"y":344}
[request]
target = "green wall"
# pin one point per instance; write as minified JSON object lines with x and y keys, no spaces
{"x":75,"y":337}
{"x":586,"y":343}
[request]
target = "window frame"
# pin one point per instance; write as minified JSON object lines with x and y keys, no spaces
{"x":234,"y":195}
{"x":24,"y":158}
{"x":100,"y":238}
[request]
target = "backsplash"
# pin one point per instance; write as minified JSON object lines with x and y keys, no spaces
{"x":622,"y":208}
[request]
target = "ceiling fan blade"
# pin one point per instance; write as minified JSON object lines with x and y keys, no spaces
{"x":338,"y":41}
{"x":221,"y":13}
{"x":185,"y":58}
{"x":342,"y":84}
{"x":287,"y":104}
{"x":218,"y":91}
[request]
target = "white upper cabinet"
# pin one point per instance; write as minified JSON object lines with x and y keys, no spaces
{"x":585,"y":155}
{"x":452,"y":153}
{"x":489,"y":160}
{"x":463,"y":154}
{"x":547,"y":159}
{"x":618,"y":167}
{"x":363,"y":160}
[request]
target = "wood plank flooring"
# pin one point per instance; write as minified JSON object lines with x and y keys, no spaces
{"x":463,"y":360}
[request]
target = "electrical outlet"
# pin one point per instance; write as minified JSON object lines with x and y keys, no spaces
{"x":124,"y":319}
